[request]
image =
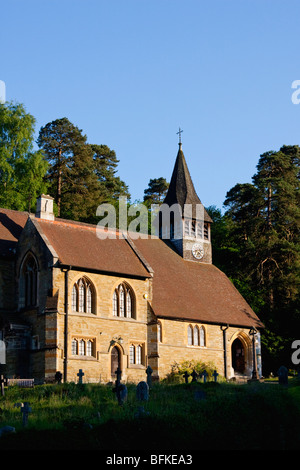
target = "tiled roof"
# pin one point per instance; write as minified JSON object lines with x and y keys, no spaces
{"x":182,"y":289}
{"x":193,"y":291}
{"x":11,"y":226}
{"x":77,"y":245}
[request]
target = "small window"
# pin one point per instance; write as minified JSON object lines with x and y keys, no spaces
{"x":81,"y":349}
{"x":89,"y":348}
{"x":196,"y":336}
{"x":159,"y":332}
{"x":74,"y":347}
{"x":136,"y":354}
{"x":132,"y":354}
{"x":190,"y":335}
{"x":202,"y":336}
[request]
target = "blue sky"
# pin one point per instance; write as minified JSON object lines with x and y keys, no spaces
{"x":129,"y":73}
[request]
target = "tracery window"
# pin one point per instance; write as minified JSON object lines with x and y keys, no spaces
{"x":123,"y":302}
{"x":83,"y":296}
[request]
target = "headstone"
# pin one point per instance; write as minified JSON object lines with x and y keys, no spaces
{"x":122,"y":394}
{"x":149,"y":378}
{"x":205,"y":374}
{"x":80,"y":375}
{"x":283,"y":375}
{"x":25,"y":410}
{"x":2,"y":352}
{"x":118,"y":373}
{"x":58,"y":377}
{"x":2,"y":381}
{"x":215,"y":376}
{"x":194,"y":376}
{"x":7,"y":430}
{"x":186,"y":377}
{"x":142,"y":391}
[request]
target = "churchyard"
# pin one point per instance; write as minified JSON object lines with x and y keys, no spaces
{"x":201,"y":414}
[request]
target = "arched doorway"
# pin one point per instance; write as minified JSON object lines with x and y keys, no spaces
{"x":115,"y":361}
{"x":238,"y":356}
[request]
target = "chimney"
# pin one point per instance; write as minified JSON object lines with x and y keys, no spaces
{"x":44,"y":207}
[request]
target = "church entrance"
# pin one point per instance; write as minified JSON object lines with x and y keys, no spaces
{"x":238,"y":356}
{"x":115,"y":361}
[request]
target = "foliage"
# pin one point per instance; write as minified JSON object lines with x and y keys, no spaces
{"x":257,"y":244}
{"x":179,"y":369}
{"x":156,"y":191}
{"x":229,"y":417}
{"x":80,"y":175}
{"x":22,"y":169}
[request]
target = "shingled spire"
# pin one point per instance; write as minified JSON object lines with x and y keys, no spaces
{"x":189,"y":232}
{"x":181,"y":190}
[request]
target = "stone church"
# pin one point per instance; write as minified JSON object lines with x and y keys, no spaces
{"x":70,"y":300}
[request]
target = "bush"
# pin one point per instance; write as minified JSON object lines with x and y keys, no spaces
{"x":179,"y":369}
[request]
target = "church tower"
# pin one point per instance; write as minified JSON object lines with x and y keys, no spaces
{"x":182,"y":217}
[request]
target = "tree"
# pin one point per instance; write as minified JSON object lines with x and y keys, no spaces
{"x":105,"y":164}
{"x":156,"y":191}
{"x":264,"y":226}
{"x":60,"y":141}
{"x":81,"y":176}
{"x":22,"y":169}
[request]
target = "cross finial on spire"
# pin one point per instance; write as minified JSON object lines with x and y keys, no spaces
{"x":179,"y":132}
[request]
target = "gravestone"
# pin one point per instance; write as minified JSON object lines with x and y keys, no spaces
{"x":186,"y":377}
{"x":122,"y":394}
{"x":80,"y":375}
{"x":149,"y":378}
{"x":205,"y":374}
{"x":2,"y":381}
{"x":142,"y":391}
{"x":25,"y":410}
{"x":2,"y":352}
{"x":58,"y":377}
{"x":283,"y":375}
{"x":194,"y":376}
{"x":215,"y":376}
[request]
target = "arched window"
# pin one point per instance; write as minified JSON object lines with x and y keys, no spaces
{"x":159,"y":332}
{"x":136,"y":354}
{"x":81,"y":349}
{"x":202,"y":336}
{"x":28,"y":282}
{"x":74,"y":347}
{"x":89,"y":347}
{"x":196,"y":336}
{"x":190,"y":335}
{"x":123,"y":301}
{"x":83,"y":296}
{"x":132,"y":354}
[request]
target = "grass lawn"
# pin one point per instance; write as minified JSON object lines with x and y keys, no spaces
{"x":262,"y":416}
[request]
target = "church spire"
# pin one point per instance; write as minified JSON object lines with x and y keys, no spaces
{"x":181,"y":189}
{"x":188,"y":230}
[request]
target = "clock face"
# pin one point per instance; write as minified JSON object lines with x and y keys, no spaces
{"x":197,"y":251}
